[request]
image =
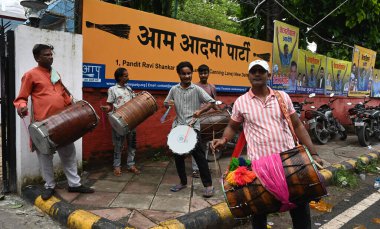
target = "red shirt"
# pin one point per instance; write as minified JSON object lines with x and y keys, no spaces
{"x":47,"y":98}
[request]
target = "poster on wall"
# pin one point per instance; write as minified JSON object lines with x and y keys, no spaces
{"x":375,"y":90}
{"x":151,"y":46}
{"x":285,"y":57}
{"x":338,"y":76}
{"x":363,"y":63}
{"x":311,"y":73}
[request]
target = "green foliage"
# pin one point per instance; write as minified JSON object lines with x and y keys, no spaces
{"x":371,"y":167}
{"x":344,"y":178}
{"x":212,"y":14}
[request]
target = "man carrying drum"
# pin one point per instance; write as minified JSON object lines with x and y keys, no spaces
{"x":187,"y":99}
{"x":203,"y":72}
{"x":118,"y":95}
{"x":267,"y":132}
{"x":49,"y":97}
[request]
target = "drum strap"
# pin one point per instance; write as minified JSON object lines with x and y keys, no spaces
{"x":284,"y":110}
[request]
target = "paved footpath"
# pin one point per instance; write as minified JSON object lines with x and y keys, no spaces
{"x":143,"y":201}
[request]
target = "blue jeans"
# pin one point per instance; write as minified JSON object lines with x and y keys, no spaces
{"x":118,"y":143}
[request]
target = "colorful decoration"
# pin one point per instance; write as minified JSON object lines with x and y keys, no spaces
{"x":240,"y":176}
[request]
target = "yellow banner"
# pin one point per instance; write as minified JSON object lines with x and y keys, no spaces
{"x":375,"y":90}
{"x":311,"y":72}
{"x":151,"y":46}
{"x":363,"y":62}
{"x":285,"y":54}
{"x":338,"y":76}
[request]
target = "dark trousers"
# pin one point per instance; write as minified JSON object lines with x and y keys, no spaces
{"x":300,"y":218}
{"x":200,"y":159}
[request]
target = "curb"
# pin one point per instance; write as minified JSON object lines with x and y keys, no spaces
{"x":67,"y":214}
{"x":217,"y":216}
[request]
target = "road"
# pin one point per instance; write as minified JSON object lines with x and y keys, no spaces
{"x":357,"y":208}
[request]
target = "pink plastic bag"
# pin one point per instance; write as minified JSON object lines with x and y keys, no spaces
{"x":270,"y":172}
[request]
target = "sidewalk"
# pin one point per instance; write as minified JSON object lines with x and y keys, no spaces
{"x":143,"y":201}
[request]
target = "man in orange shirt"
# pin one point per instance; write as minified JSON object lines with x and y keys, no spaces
{"x":49,"y":97}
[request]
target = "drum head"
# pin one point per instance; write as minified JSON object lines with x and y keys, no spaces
{"x":182,"y":139}
{"x":118,"y":124}
{"x":40,"y":138}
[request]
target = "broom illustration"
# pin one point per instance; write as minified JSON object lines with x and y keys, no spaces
{"x":120,"y":30}
{"x":264,"y":56}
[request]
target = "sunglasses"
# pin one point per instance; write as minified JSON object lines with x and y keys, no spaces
{"x":257,"y":70}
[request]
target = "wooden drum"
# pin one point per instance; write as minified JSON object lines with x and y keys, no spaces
{"x":132,"y":113}
{"x":302,"y":177}
{"x":63,"y":128}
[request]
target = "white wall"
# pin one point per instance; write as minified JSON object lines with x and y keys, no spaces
{"x":68,"y":62}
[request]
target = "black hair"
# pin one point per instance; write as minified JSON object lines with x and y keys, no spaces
{"x":39,"y":47}
{"x":293,"y":63}
{"x":119,"y":73}
{"x":203,"y":68}
{"x":322,"y":68}
{"x":184,"y":64}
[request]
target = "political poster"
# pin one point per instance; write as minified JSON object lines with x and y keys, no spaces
{"x":338,"y":76}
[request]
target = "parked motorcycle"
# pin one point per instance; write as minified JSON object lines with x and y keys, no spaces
{"x":352,"y":112}
{"x":299,"y":105}
{"x":367,"y":124}
{"x":323,"y":125}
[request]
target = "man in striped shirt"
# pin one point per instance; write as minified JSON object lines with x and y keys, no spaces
{"x":187,"y":98}
{"x":267,"y":131}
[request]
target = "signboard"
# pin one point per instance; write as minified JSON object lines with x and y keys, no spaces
{"x":311,"y":73}
{"x":363,"y":63}
{"x":285,"y":57}
{"x":338,"y":76}
{"x":151,"y":46}
{"x":375,"y":89}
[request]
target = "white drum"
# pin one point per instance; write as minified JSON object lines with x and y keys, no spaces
{"x":182,"y":139}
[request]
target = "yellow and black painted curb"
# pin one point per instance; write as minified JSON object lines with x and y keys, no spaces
{"x":67,"y":214}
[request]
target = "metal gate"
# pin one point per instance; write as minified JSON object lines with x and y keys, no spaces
{"x":8,"y":119}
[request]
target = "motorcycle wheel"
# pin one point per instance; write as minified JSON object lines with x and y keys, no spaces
{"x":319,"y":135}
{"x":363,"y":135}
{"x":343,"y":135}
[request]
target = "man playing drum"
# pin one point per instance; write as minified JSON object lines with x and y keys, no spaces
{"x":49,"y":97}
{"x":187,"y":99}
{"x":203,"y":72}
{"x":267,"y":132}
{"x":118,"y":95}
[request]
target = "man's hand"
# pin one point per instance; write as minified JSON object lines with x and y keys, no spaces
{"x":218,"y":143}
{"x":171,"y":102}
{"x":317,"y":159}
{"x":105,"y":108}
{"x":22,"y":111}
{"x":197,"y":114}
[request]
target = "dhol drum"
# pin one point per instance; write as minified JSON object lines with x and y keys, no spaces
{"x":132,"y":113}
{"x":302,"y":177}
{"x":182,"y":139}
{"x":63,"y":128}
{"x":213,"y":124}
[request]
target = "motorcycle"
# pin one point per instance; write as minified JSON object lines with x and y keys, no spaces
{"x":352,"y":112}
{"x":299,"y":105}
{"x":213,"y":124}
{"x":323,"y":125}
{"x":367,"y":124}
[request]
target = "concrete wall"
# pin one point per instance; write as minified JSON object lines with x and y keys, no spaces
{"x":97,"y":145}
{"x":68,"y":62}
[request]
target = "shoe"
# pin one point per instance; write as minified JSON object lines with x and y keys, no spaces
{"x":196,"y":174}
{"x":209,"y":192}
{"x":117,"y":171}
{"x":47,"y":193}
{"x":177,"y":187}
{"x":81,"y":189}
{"x":134,"y":170}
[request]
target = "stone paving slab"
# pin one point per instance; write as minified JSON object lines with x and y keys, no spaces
{"x":97,"y":199}
{"x":113,"y":214}
{"x":148,"y":178}
{"x":153,"y":170}
{"x":139,"y":221}
{"x":159,"y":216}
{"x":108,"y":186}
{"x":138,"y":187}
{"x":125,"y":177}
{"x":156,"y":163}
{"x":171,"y":203}
{"x":198,"y":203}
{"x":97,"y":175}
{"x":164,"y":190}
{"x":133,"y":201}
{"x":67,"y":196}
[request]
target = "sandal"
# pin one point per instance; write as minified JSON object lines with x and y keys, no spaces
{"x":117,"y":171}
{"x":177,"y":187}
{"x":209,"y":192}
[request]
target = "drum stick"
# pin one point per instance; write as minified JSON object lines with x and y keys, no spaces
{"x":162,"y":120}
{"x":103,"y":119}
{"x":318,"y":165}
{"x":216,"y":166}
